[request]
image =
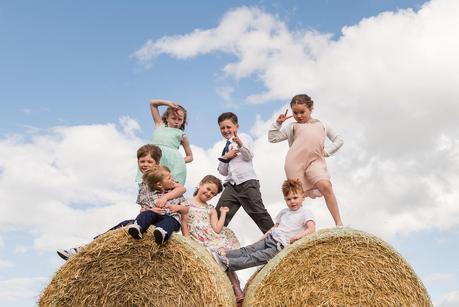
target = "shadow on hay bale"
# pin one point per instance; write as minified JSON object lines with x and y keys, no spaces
{"x":116,"y":270}
{"x":337,"y":267}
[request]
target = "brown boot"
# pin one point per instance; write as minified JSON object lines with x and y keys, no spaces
{"x":238,"y":293}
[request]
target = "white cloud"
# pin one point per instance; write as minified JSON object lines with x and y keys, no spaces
{"x":386,"y":84}
{"x":67,"y":184}
{"x":6,"y":264}
{"x":20,"y":249}
{"x":451,"y":299}
{"x":20,"y":288}
{"x":130,"y":126}
{"x":439,"y":278}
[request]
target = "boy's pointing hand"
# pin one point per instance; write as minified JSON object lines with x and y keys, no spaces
{"x":237,"y":140}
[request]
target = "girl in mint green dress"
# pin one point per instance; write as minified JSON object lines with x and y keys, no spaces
{"x":169,"y":135}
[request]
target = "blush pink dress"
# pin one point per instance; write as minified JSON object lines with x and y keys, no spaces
{"x":305,"y":159}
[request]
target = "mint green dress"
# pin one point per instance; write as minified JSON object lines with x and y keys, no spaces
{"x":169,"y":140}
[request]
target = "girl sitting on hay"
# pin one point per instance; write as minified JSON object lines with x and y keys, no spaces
{"x":148,"y":157}
{"x":207,"y":229}
{"x":167,"y":217}
{"x":291,"y":224}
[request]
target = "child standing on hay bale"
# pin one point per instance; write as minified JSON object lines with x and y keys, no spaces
{"x":148,"y":156}
{"x":166,"y":217}
{"x":305,"y":159}
{"x":292,"y":223}
{"x":169,"y":135}
{"x":241,"y":184}
{"x":207,"y":228}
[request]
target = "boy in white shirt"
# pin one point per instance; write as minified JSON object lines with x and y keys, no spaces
{"x":292,"y":223}
{"x":242,"y":187}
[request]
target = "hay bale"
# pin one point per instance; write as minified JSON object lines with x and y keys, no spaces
{"x":116,"y":270}
{"x":337,"y":267}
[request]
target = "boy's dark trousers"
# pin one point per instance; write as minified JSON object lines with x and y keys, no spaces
{"x":166,"y":222}
{"x":247,"y":195}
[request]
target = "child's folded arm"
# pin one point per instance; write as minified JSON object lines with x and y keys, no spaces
{"x":246,"y":148}
{"x":176,"y":192}
{"x":218,"y":223}
{"x":275,"y":134}
{"x":310,"y":227}
{"x":336,"y":139}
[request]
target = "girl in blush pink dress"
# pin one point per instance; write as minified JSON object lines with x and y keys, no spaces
{"x":305,"y":159}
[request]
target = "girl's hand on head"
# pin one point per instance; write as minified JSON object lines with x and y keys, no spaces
{"x":224,"y":210}
{"x":283,"y":117}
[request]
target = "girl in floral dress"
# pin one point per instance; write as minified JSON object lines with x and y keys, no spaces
{"x":207,"y":229}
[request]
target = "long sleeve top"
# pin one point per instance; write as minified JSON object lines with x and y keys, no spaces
{"x":277,"y":133}
{"x":239,"y":169}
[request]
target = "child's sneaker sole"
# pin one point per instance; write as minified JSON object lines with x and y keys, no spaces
{"x":135,"y":233}
{"x":159,"y":235}
{"x":63,"y":254}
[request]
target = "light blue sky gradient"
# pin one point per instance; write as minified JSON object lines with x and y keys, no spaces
{"x":68,"y":63}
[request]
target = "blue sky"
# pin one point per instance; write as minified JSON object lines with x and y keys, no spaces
{"x":76,"y":78}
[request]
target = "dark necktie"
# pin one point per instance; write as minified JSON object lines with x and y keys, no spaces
{"x":225,"y":150}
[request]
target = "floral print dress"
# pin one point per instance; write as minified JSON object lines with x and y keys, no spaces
{"x":202,"y":232}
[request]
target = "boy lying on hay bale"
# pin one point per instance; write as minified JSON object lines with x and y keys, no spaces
{"x":115,"y":270}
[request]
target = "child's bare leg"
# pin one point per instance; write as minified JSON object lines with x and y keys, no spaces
{"x":325,"y":187}
{"x":238,"y":293}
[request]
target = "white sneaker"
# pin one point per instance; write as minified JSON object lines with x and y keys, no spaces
{"x":160,"y":235}
{"x":67,"y":253}
{"x":219,"y":261}
{"x":135,"y":231}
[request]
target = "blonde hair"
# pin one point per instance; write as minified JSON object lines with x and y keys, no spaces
{"x":152,"y":178}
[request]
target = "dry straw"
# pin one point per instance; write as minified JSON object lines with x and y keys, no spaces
{"x":337,"y":267}
{"x":116,"y":270}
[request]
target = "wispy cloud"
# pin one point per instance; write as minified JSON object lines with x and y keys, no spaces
{"x":439,"y":278}
{"x":451,"y":299}
{"x":20,"y":288}
{"x":385,"y":84}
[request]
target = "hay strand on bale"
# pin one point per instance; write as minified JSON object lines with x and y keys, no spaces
{"x":337,"y":267}
{"x":116,"y":270}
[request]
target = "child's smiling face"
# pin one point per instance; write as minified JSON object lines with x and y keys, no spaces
{"x":301,"y":113}
{"x":294,"y":200}
{"x":228,"y":128}
{"x":207,"y":191}
{"x":175,"y":119}
{"x":146,"y":163}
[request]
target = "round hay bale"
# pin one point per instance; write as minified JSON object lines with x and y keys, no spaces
{"x":116,"y":270}
{"x":337,"y":267}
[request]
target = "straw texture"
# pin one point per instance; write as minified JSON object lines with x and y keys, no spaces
{"x":337,"y":267}
{"x":116,"y":270}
